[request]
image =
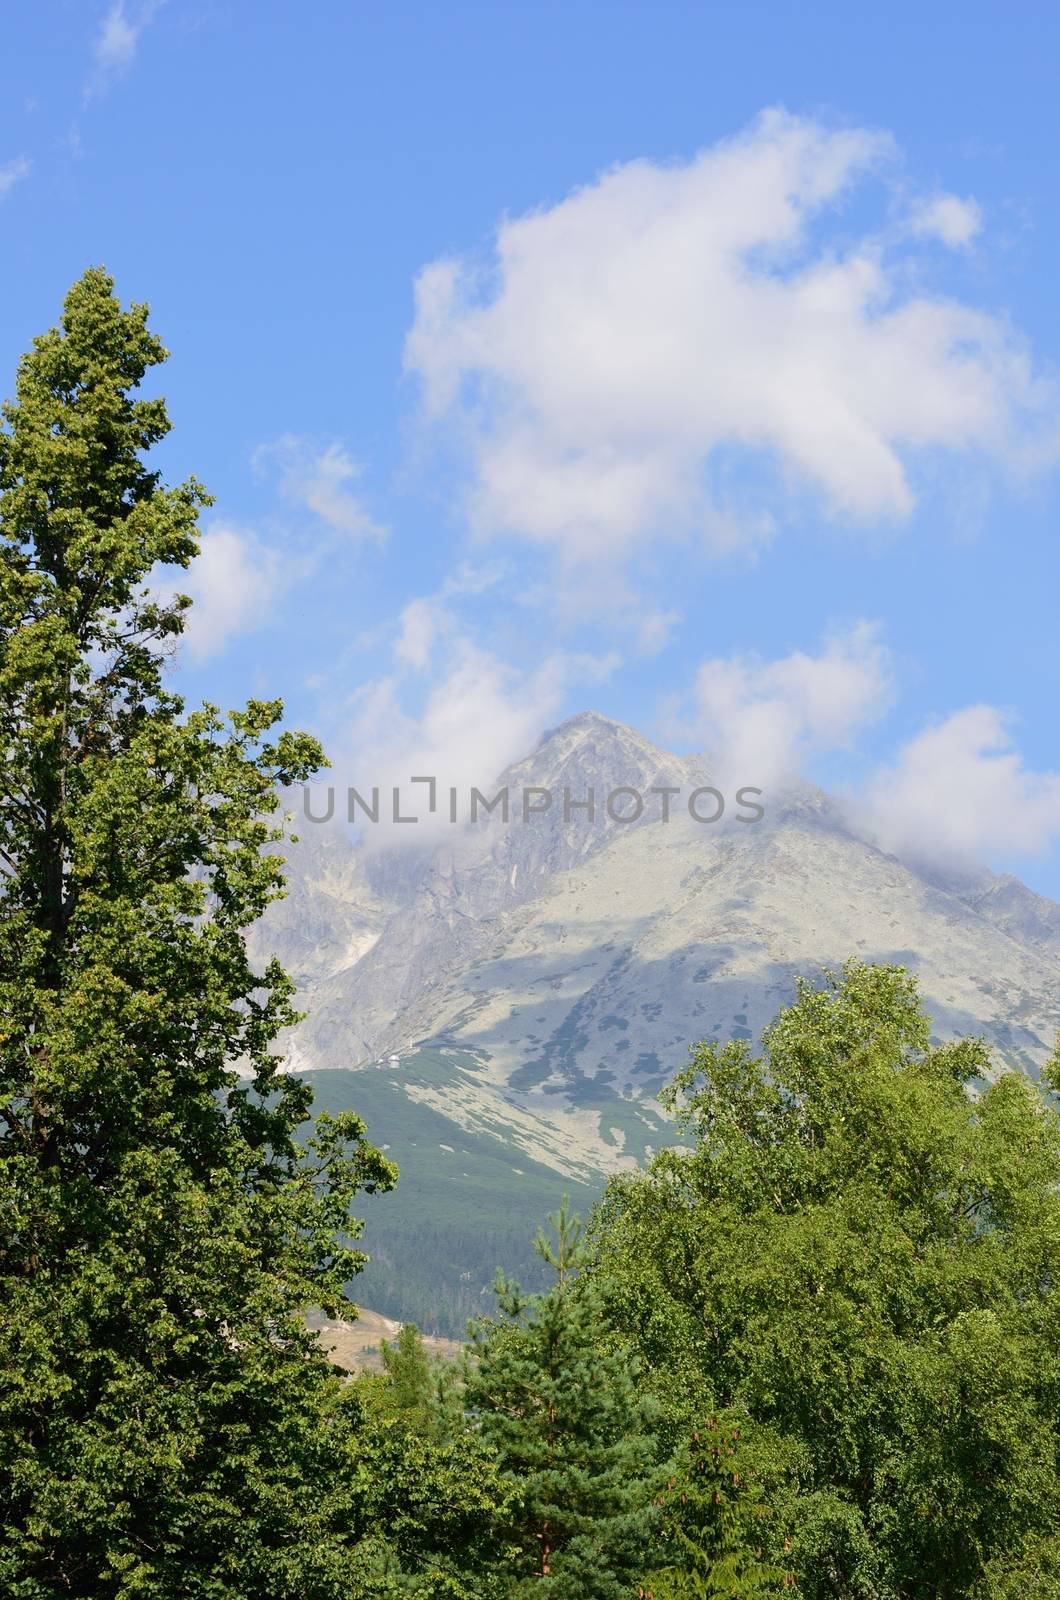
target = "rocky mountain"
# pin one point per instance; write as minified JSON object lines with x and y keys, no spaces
{"x":538,"y":979}
{"x":563,"y":964}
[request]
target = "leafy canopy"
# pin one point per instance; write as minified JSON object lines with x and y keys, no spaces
{"x":168,"y":1422}
{"x":861,"y":1258}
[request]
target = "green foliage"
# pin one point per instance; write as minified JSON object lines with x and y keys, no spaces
{"x":556,"y":1398}
{"x":1051,"y":1071}
{"x":409,"y":1369}
{"x":168,"y":1422}
{"x":427,"y":1395}
{"x":1033,"y":1574}
{"x":853,"y":1255}
{"x":713,"y":1524}
{"x":861,"y":1258}
{"x":420,"y":1515}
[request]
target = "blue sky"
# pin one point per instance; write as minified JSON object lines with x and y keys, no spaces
{"x":695,"y":362}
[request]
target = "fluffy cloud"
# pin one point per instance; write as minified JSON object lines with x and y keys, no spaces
{"x":628,"y":350}
{"x":955,"y":796}
{"x":237,"y":577}
{"x":761,"y":720}
{"x":428,"y":621}
{"x":477,"y":716}
{"x":13,"y":172}
{"x":960,"y":793}
{"x":116,"y":45}
{"x":420,"y":623}
{"x":953,"y":221}
{"x":652,"y":630}
{"x":116,"y":42}
{"x":234,"y":582}
{"x":321,"y":481}
{"x":451,"y":709}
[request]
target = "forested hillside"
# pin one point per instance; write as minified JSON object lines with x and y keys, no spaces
{"x":464,"y":1206}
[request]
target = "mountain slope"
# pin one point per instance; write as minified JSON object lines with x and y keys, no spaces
{"x":541,"y":979}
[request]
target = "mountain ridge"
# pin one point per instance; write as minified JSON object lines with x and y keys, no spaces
{"x":538,"y":982}
{"x":569,"y":953}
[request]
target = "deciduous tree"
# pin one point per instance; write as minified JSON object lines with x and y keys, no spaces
{"x":862,"y":1257}
{"x":170,"y":1428}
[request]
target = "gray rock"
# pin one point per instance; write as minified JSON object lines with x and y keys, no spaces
{"x":565,"y":964}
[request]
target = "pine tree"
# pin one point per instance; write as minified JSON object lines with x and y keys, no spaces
{"x":713,"y":1521}
{"x":557,"y":1399}
{"x":408,"y":1367}
{"x":169,"y":1427}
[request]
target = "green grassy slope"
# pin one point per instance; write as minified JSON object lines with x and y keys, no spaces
{"x":466,"y":1203}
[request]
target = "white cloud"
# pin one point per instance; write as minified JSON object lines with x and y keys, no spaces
{"x":653,"y":630}
{"x":955,"y":796}
{"x":420,"y":622}
{"x":116,"y":45}
{"x":321,"y":480}
{"x":959,"y":793}
{"x":477,"y":716}
{"x":13,"y":172}
{"x":234,"y":583}
{"x":760,"y":720}
{"x":116,"y":42}
{"x":428,"y":620}
{"x":946,"y":217}
{"x":625,"y":349}
{"x":474,"y":716}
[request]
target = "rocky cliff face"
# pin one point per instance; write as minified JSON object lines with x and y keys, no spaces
{"x":562,"y":965}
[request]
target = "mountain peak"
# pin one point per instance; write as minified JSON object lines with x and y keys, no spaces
{"x":604,"y":732}
{"x":574,"y":956}
{"x":592,"y":748}
{"x":587,"y":722}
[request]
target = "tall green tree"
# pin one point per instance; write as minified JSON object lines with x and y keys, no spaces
{"x":407,"y":1365}
{"x":863,"y":1258}
{"x":426,"y":1394}
{"x":169,"y":1427}
{"x":556,"y":1397}
{"x":714,"y":1516}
